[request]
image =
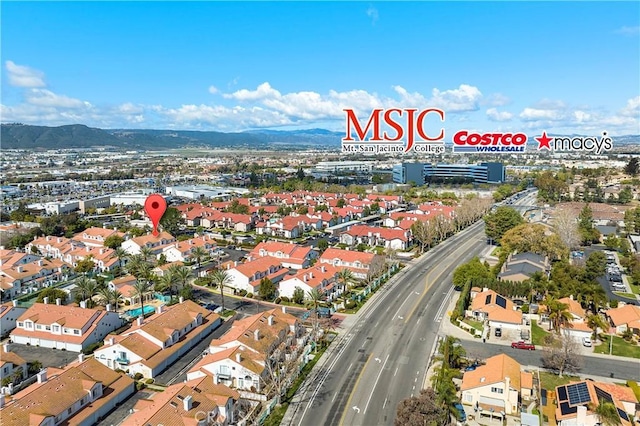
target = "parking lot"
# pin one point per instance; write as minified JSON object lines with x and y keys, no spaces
{"x":48,"y":357}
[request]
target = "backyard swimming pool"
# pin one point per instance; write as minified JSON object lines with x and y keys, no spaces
{"x":136,"y":312}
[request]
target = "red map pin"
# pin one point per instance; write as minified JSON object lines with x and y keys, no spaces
{"x":155,"y":206}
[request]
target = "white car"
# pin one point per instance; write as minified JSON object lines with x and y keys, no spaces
{"x":586,"y":341}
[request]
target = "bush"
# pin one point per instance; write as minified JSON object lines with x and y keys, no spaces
{"x":127,"y":303}
{"x":278,"y":300}
{"x":242,"y":292}
{"x":148,"y":381}
{"x":137,"y":376}
{"x":250,"y":295}
{"x":91,"y":348}
{"x":285,"y":299}
{"x":118,"y":370}
{"x":525,"y":309}
{"x":350,"y":304}
{"x":140,"y":385}
{"x":635,"y":388}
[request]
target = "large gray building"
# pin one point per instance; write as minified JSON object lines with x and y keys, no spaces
{"x":424,"y":172}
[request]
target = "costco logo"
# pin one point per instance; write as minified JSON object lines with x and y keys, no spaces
{"x":465,"y":142}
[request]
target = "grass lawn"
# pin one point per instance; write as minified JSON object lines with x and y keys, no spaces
{"x":635,"y":288}
{"x":550,"y":380}
{"x":537,"y":333}
{"x":496,"y":252}
{"x":473,"y":323}
{"x":626,"y":295}
{"x":620,"y":347}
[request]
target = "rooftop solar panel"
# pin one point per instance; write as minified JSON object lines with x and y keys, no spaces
{"x":578,"y":393}
{"x":501,"y":301}
{"x":603,"y":395}
{"x":623,"y":415}
{"x":566,"y":409}
{"x":562,"y":393}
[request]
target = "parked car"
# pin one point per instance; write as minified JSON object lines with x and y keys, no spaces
{"x":498,"y":332}
{"x":462,"y":416}
{"x":586,"y":341}
{"x":523,"y":345}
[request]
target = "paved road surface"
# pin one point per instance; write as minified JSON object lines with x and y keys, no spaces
{"x":383,"y":358}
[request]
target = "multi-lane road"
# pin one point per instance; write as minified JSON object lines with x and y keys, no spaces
{"x":383,"y":358}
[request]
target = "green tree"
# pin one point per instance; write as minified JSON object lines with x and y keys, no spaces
{"x":85,"y":265}
{"x":298,"y":295}
{"x":345,"y":278}
{"x":182,"y":275}
{"x":451,"y":352}
{"x":421,"y":410}
{"x":87,"y":288}
{"x":198,"y":254}
{"x":532,"y":237}
{"x":302,"y":209}
{"x":558,"y":313}
{"x":633,"y":167}
{"x":113,"y":241}
{"x":140,"y":288}
{"x":341,"y":203}
{"x":585,"y":224}
{"x":267,"y":290}
{"x":52,"y":294}
{"x":502,"y":220}
{"x":172,"y":221}
{"x":474,"y":269}
{"x":612,"y":242}
{"x":607,"y":413}
{"x":323,"y":245}
{"x":595,"y":266}
{"x":222,"y":278}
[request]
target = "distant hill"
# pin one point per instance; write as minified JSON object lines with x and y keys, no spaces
{"x":23,"y":136}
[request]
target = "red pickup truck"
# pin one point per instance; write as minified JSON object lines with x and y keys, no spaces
{"x":523,"y":345}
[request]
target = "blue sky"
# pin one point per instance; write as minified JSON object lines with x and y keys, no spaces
{"x":492,"y":66}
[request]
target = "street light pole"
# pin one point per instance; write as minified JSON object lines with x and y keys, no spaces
{"x":610,"y":344}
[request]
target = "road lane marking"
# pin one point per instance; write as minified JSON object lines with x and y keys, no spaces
{"x":344,"y":413}
{"x":385,"y":403}
{"x":373,"y":389}
{"x":396,"y":372}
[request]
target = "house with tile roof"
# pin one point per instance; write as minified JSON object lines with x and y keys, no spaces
{"x":10,"y":362}
{"x":265,"y":333}
{"x":94,"y":236}
{"x":359,"y":263}
{"x":498,"y":310}
{"x":194,"y":402}
{"x":499,"y":385}
{"x":372,"y":236}
{"x":577,"y":328}
{"x":291,"y":255}
{"x":154,"y":343}
{"x":16,"y":278}
{"x":321,"y":277}
{"x":182,"y":251}
{"x":71,"y":328}
{"x":576,"y":402}
{"x":521,"y":266}
{"x":79,"y":395}
{"x":9,"y":314}
{"x":625,"y":318}
{"x":156,"y":244}
{"x":53,"y":247}
{"x":247,"y":276}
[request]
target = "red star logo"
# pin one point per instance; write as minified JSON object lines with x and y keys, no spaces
{"x":544,"y":141}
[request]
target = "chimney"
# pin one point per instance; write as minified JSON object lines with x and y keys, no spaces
{"x":45,"y":300}
{"x":5,"y":347}
{"x":1,"y":400}
{"x":140,"y":320}
{"x":256,"y":334}
{"x":42,"y":375}
{"x":186,"y":403}
{"x":14,"y":303}
{"x":159,"y":309}
{"x":181,"y":299}
{"x":109,"y":308}
{"x":284,"y":309}
{"x":310,"y":274}
{"x":80,"y":357}
{"x":101,"y":251}
{"x":40,"y":262}
{"x":48,"y":238}
{"x":19,"y":269}
{"x":88,"y":249}
{"x":59,"y":239}
{"x":235,"y":263}
{"x":83,"y":304}
{"x":111,"y":341}
{"x":238,"y":357}
{"x":571,"y":297}
{"x":304,"y":278}
{"x":270,"y":320}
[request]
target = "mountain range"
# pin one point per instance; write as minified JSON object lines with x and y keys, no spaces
{"x":24,"y":136}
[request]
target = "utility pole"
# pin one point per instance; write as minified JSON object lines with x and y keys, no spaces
{"x":610,"y":343}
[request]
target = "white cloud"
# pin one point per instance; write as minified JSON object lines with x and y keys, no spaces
{"x":628,"y":31}
{"x":495,"y":115}
{"x":534,"y":114}
{"x":632,"y":109}
{"x":47,"y":98}
{"x":23,"y":76}
{"x":464,"y":98}
{"x":263,"y":91}
{"x":213,"y":90}
{"x":373,"y":14}
{"x":496,"y":100}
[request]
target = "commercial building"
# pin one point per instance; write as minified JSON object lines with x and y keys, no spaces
{"x":424,"y":172}
{"x":344,"y":166}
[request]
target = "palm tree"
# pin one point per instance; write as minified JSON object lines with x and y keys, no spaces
{"x":182,"y":275}
{"x":595,"y":322}
{"x":87,"y":288}
{"x":558,"y":313}
{"x":146,"y":253}
{"x":122,"y":255}
{"x":198,"y":254}
{"x":166,"y":282}
{"x":110,"y":297}
{"x":451,"y":352}
{"x":345,"y":277}
{"x":314,"y":296}
{"x":222,"y":278}
{"x":607,"y":414}
{"x":141,"y":287}
{"x":134,"y":264}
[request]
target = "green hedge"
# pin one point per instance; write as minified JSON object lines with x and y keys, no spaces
{"x":635,"y":388}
